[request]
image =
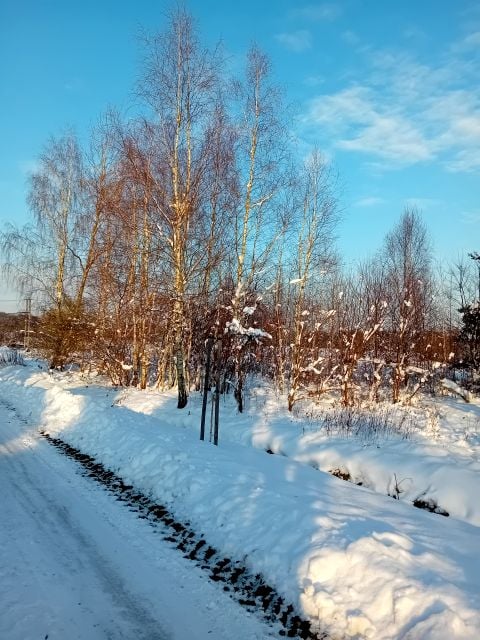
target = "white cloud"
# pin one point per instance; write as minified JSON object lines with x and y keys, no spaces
{"x":369,"y":201}
{"x":406,"y":112}
{"x":297,"y":41}
{"x":465,"y":161}
{"x":327,"y":11}
{"x":350,"y":105}
{"x":468,"y":127}
{"x":469,"y":43}
{"x":354,"y":114}
{"x":314,"y":81}
{"x":351,"y":38}
{"x":471,"y":217}
{"x":413,"y":32}
{"x":393,"y":138}
{"x":28,"y":167}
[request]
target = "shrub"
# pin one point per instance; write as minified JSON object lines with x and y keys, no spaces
{"x":367,"y":425}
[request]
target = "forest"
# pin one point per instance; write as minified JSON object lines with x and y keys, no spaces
{"x":195,"y":230}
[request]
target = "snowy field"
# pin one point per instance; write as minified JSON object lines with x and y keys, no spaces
{"x":351,"y":558}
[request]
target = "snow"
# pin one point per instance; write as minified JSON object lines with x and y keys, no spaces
{"x":455,"y":388}
{"x":248,"y":311}
{"x":77,"y":565}
{"x":235,"y":327}
{"x":349,"y":557}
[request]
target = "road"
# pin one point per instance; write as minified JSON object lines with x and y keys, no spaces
{"x":77,"y":565}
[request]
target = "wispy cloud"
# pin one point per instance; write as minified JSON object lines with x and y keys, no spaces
{"x":365,"y":127}
{"x":296,"y":41}
{"x":471,"y":217}
{"x":369,"y":201}
{"x":405,"y":112}
{"x":28,"y":167}
{"x":314,"y":81}
{"x":326,"y":11}
{"x":465,"y":161}
{"x":392,"y":138}
{"x":413,"y":32}
{"x":350,"y":37}
{"x":469,"y":43}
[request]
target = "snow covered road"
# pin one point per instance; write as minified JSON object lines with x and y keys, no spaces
{"x":76,"y":564}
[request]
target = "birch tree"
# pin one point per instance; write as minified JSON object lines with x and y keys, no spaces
{"x":260,"y":155}
{"x":54,"y":197}
{"x":313,"y":255}
{"x":178,"y":84}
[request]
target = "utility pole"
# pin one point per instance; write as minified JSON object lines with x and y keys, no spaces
{"x":28,"y":319}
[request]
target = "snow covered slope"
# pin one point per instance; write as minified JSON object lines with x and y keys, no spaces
{"x":359,"y":563}
{"x":439,"y":463}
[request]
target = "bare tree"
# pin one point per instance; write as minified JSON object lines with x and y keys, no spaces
{"x":313,"y":256}
{"x":361,"y":315}
{"x":54,"y":198}
{"x":373,"y":291}
{"x":259,"y":159}
{"x":178,"y":84}
{"x":407,"y":256}
{"x":42,"y":256}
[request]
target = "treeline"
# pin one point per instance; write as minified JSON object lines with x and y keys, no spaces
{"x":193,"y":225}
{"x":12,"y":329}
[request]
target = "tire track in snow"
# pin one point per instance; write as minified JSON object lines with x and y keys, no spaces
{"x":68,"y":544}
{"x":251,"y":591}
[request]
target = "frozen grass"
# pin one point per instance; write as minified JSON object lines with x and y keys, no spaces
{"x":10,"y":356}
{"x":368,"y":425}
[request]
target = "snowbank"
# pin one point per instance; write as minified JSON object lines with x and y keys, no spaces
{"x":362,"y":565}
{"x":439,"y":464}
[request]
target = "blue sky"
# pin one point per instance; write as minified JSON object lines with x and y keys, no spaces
{"x":389,"y":90}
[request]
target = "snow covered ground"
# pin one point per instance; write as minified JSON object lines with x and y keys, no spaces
{"x":439,"y":462}
{"x":349,"y":557}
{"x":77,"y":565}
